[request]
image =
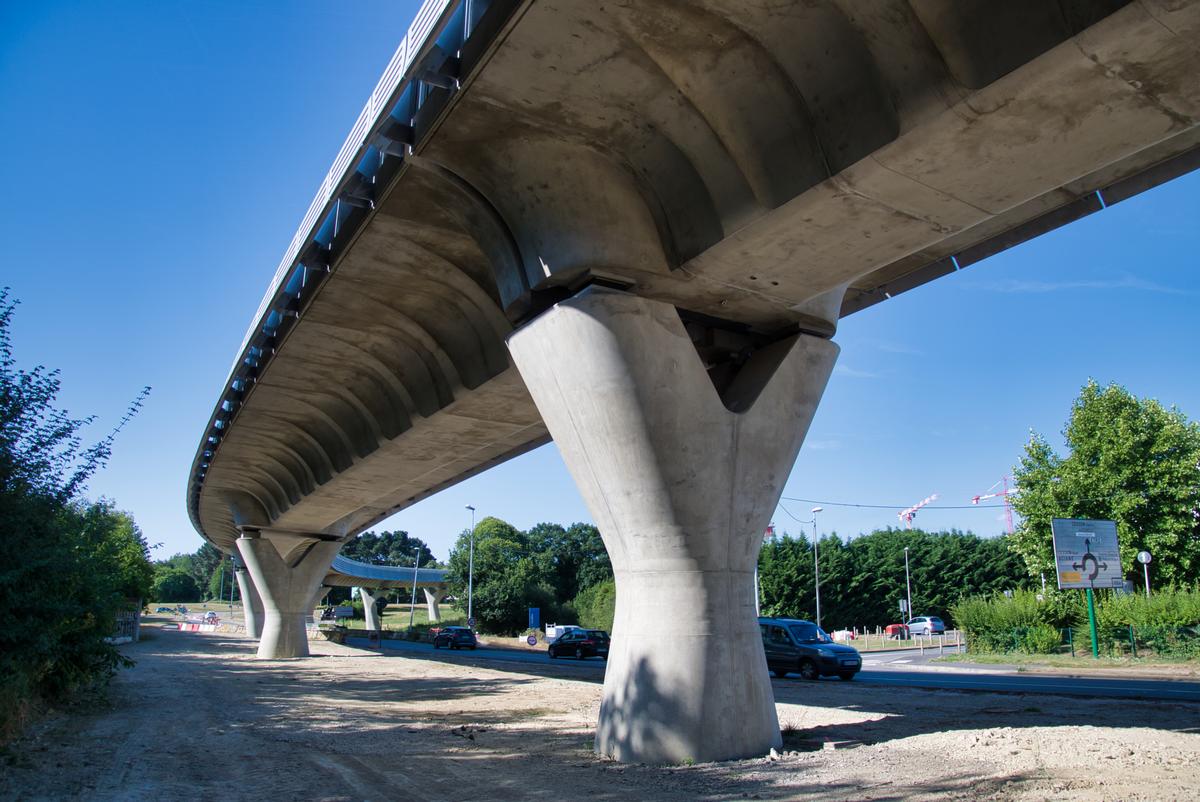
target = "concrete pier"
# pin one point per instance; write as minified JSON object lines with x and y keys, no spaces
{"x":433,"y":597}
{"x":682,"y":479}
{"x":288,"y":589}
{"x":370,"y":611}
{"x":252,"y":606}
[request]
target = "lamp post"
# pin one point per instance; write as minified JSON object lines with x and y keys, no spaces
{"x":907,"y":585}
{"x":412,"y":605}
{"x":816,"y":564}
{"x":471,"y":573}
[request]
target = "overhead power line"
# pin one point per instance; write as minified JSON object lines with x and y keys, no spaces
{"x":894,"y":506}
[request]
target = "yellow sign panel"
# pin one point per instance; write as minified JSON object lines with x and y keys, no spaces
{"x":1069,"y":576}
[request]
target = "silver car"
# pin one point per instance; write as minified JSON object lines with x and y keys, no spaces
{"x":926,"y":625}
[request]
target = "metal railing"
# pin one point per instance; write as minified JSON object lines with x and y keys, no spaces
{"x":429,"y":18}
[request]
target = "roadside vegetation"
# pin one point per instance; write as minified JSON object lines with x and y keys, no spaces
{"x":1166,"y":625}
{"x":68,"y":565}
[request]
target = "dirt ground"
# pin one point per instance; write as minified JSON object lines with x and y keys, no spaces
{"x":198,"y":718}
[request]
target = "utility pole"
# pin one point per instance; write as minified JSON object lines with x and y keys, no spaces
{"x":471,"y":573}
{"x":412,"y":605}
{"x":907,"y":585}
{"x":816,"y":564}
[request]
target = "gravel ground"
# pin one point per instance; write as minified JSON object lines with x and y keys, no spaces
{"x":199,"y":718}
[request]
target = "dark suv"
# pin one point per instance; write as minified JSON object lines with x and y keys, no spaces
{"x":803,"y":647}
{"x":581,"y":643}
{"x":455,"y":638}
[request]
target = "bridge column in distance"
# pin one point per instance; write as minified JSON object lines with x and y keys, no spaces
{"x":288,"y":588}
{"x":370,"y":611}
{"x":252,"y":606}
{"x":682,"y":479}
{"x":433,"y":597}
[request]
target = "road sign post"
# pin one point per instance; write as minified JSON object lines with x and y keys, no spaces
{"x":1088,"y":556}
{"x":1092,"y":623}
{"x":1144,"y":559}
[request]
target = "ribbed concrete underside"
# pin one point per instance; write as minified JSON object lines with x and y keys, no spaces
{"x":775,"y":165}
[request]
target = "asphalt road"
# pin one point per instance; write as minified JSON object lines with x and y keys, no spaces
{"x":905,"y":669}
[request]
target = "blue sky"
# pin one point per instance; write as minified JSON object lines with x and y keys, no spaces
{"x":156,"y":158}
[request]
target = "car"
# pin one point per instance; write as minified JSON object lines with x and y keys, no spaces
{"x":165,"y":610}
{"x":581,"y":644}
{"x":926,"y":625}
{"x":796,"y":645}
{"x":455,"y":638}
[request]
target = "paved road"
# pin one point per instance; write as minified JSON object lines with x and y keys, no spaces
{"x":907,"y":669}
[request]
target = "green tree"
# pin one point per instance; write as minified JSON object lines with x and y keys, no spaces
{"x":1132,"y":461}
{"x":172,"y":585}
{"x":388,"y":548}
{"x":222,"y":583}
{"x":66,"y":567}
{"x":863,"y":581}
{"x":571,"y":558}
{"x":597,"y":604}
{"x":119,"y":543}
{"x":507,"y":578}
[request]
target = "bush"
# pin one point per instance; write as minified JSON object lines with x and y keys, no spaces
{"x":597,"y":604}
{"x":1041,"y":639}
{"x":67,"y":567}
{"x":1167,"y":623}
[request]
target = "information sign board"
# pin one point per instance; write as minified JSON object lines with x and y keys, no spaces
{"x":535,"y":617}
{"x":1086,"y":553}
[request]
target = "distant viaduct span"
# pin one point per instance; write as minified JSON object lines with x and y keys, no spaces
{"x":632,"y":227}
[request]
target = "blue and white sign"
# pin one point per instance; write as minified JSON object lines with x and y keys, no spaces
{"x":535,"y":617}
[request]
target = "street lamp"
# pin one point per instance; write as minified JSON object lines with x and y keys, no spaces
{"x":816,"y":564}
{"x":471,"y":572}
{"x":907,"y":584}
{"x":412,"y":605}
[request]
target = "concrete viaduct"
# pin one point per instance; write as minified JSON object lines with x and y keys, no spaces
{"x":632,"y":228}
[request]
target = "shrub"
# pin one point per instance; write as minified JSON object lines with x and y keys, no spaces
{"x":597,"y":604}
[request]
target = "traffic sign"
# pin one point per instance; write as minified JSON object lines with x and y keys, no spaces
{"x":471,"y":623}
{"x":1144,"y":557}
{"x":531,"y":640}
{"x":1086,"y":553}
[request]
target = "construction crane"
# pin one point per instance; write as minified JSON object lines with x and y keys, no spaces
{"x":907,"y":515}
{"x":1005,"y":493}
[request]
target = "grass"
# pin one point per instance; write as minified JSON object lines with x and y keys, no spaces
{"x":1067,"y":661}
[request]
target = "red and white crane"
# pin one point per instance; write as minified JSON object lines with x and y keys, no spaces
{"x":1005,"y":493}
{"x":907,"y":515}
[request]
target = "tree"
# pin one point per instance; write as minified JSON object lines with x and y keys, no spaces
{"x":597,"y":604}
{"x":1132,"y":461}
{"x":570,"y":559}
{"x":387,"y":548}
{"x":66,"y":567}
{"x":172,"y":585}
{"x":222,"y":583}
{"x":119,"y":542}
{"x":507,"y":579}
{"x":204,"y":565}
{"x":862,"y":581}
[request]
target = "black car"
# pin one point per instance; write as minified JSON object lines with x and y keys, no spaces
{"x":803,"y":647}
{"x":455,"y":638}
{"x":581,"y":643}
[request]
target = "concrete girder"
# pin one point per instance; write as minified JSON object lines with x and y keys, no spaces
{"x":287,"y":570}
{"x":682,"y":481}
